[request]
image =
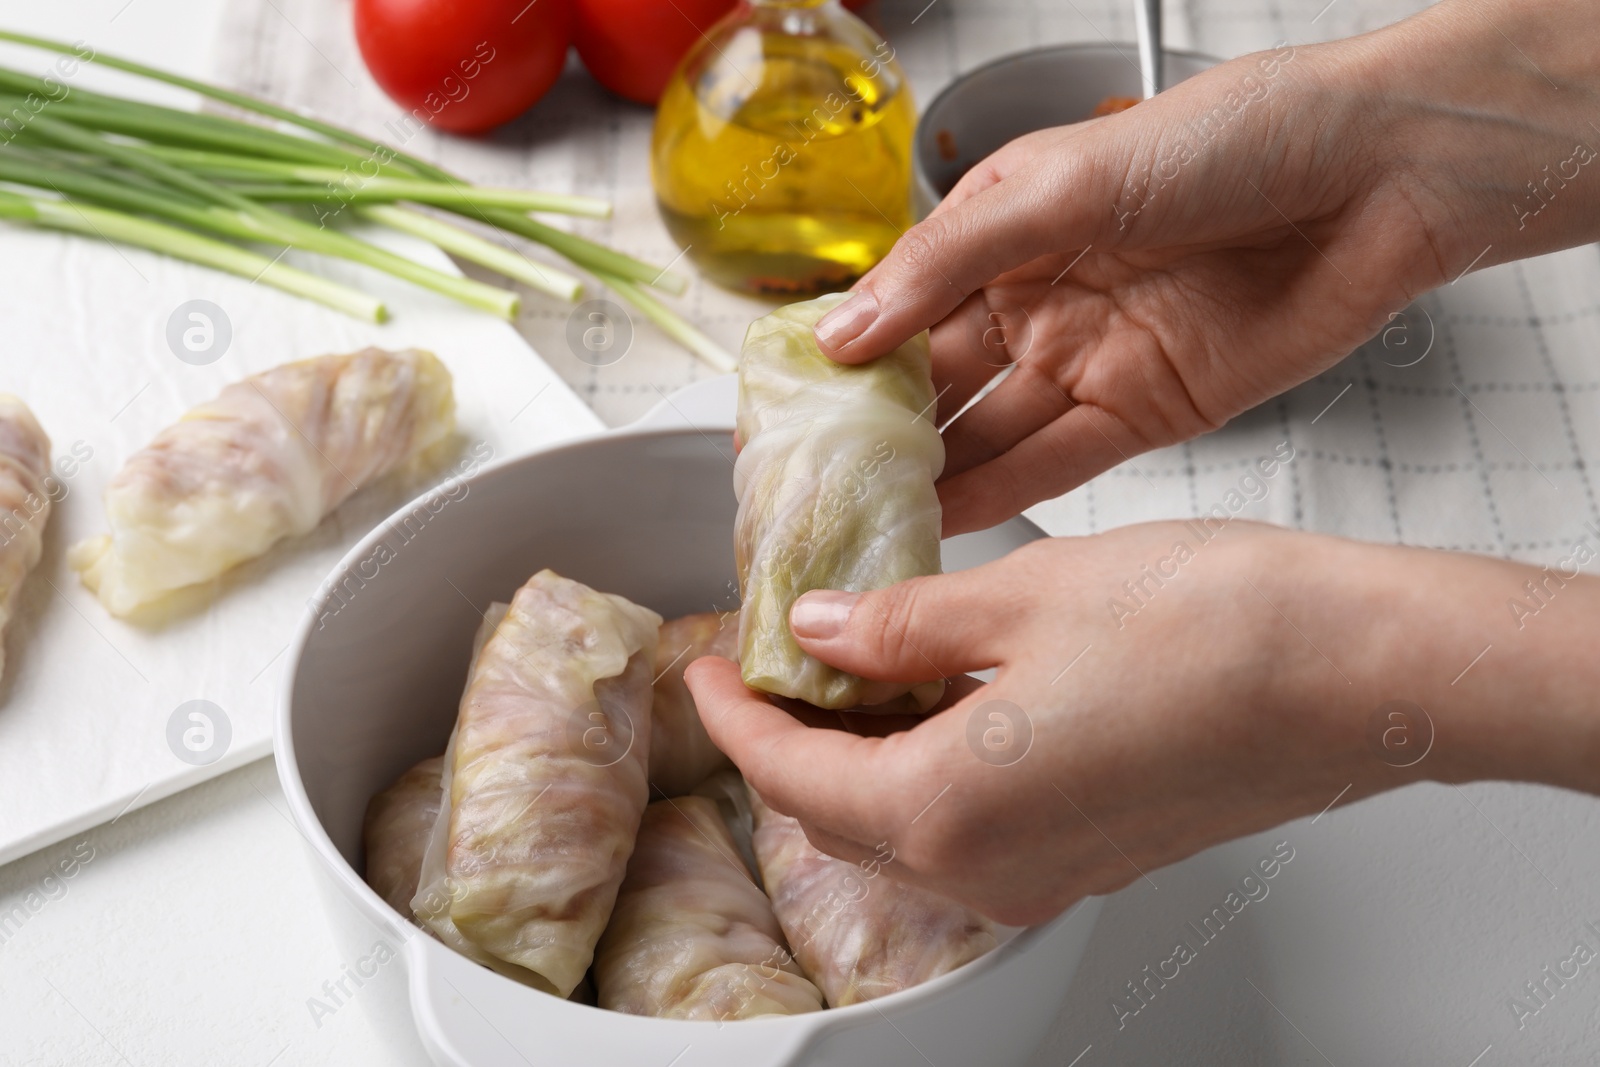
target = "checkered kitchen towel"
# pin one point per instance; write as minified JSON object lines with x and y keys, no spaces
{"x":1470,"y":424}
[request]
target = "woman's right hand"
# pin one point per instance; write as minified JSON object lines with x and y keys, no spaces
{"x":1155,"y":273}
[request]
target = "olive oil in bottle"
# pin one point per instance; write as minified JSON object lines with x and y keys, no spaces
{"x":782,"y":149}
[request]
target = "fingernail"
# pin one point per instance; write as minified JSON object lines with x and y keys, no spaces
{"x":821,"y":614}
{"x":847,"y":321}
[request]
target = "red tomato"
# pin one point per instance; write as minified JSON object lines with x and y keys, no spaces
{"x":464,"y":65}
{"x":633,"y":46}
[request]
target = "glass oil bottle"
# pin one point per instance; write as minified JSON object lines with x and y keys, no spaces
{"x":781,"y":157}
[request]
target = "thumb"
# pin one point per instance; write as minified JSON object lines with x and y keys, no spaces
{"x":833,"y":779}
{"x":915,"y":631}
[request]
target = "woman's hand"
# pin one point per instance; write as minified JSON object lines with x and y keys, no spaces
{"x":1157,"y":693}
{"x":1155,"y":273}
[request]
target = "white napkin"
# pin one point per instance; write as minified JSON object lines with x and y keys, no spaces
{"x":86,"y":700}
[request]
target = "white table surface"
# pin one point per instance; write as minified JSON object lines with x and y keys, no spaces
{"x":191,"y":931}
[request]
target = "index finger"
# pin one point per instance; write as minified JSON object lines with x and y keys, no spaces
{"x":988,"y":172}
{"x":1052,"y":202}
{"x":933,"y":267}
{"x":996,"y":167}
{"x":836,"y":780}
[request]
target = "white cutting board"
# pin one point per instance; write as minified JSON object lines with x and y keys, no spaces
{"x":86,"y":699}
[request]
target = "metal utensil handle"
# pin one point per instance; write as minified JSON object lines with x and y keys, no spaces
{"x":1147,"y":18}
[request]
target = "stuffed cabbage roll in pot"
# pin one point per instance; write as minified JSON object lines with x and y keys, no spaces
{"x":548,"y":776}
{"x":692,"y":936}
{"x":267,"y":459}
{"x":732,"y":796}
{"x":396,"y":830}
{"x":431,"y":904}
{"x":857,"y":933}
{"x":681,"y":753}
{"x":835,"y":489}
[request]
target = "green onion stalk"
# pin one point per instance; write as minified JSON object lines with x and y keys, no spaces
{"x":371,"y":152}
{"x":219,"y":175}
{"x":260,"y":223}
{"x":672,"y":325}
{"x":475,"y":249}
{"x":73,"y":217}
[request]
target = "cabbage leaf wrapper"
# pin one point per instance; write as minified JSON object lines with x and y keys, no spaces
{"x":269,"y":458}
{"x":27,"y":489}
{"x":548,"y":776}
{"x":431,"y":904}
{"x":682,"y":754}
{"x":728,"y":789}
{"x":396,"y":829}
{"x":692,"y":936}
{"x":835,"y":483}
{"x":858,"y":933}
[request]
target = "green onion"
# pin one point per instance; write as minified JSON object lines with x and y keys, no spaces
{"x":20,"y":169}
{"x":167,"y":126}
{"x":226,"y":96}
{"x":220,"y":220}
{"x":216,"y":174}
{"x":475,"y":249}
{"x":181,"y":244}
{"x":269,"y":225}
{"x":596,"y":258}
{"x":674,"y":327}
{"x":159,"y":124}
{"x":378,"y":188}
{"x":580,"y":250}
{"x":425,"y":192}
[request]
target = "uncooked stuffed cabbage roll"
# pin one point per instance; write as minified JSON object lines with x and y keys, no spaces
{"x":858,"y":933}
{"x":265,"y":460}
{"x":548,"y":776}
{"x":681,"y":753}
{"x":692,"y":936}
{"x":835,"y":488}
{"x":24,"y":501}
{"x":727,"y":788}
{"x":431,"y":904}
{"x":396,"y":830}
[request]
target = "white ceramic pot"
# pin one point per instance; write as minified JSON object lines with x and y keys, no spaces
{"x":375,"y":674}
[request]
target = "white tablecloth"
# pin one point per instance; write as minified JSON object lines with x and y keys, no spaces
{"x":1480,"y":445}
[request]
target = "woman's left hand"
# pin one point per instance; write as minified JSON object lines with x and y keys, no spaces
{"x":1156,"y":693}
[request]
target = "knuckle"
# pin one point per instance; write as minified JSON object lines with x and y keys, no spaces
{"x":885,"y":615}
{"x":1005,"y":491}
{"x":919,"y":248}
{"x":924,"y":848}
{"x":940,"y":846}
